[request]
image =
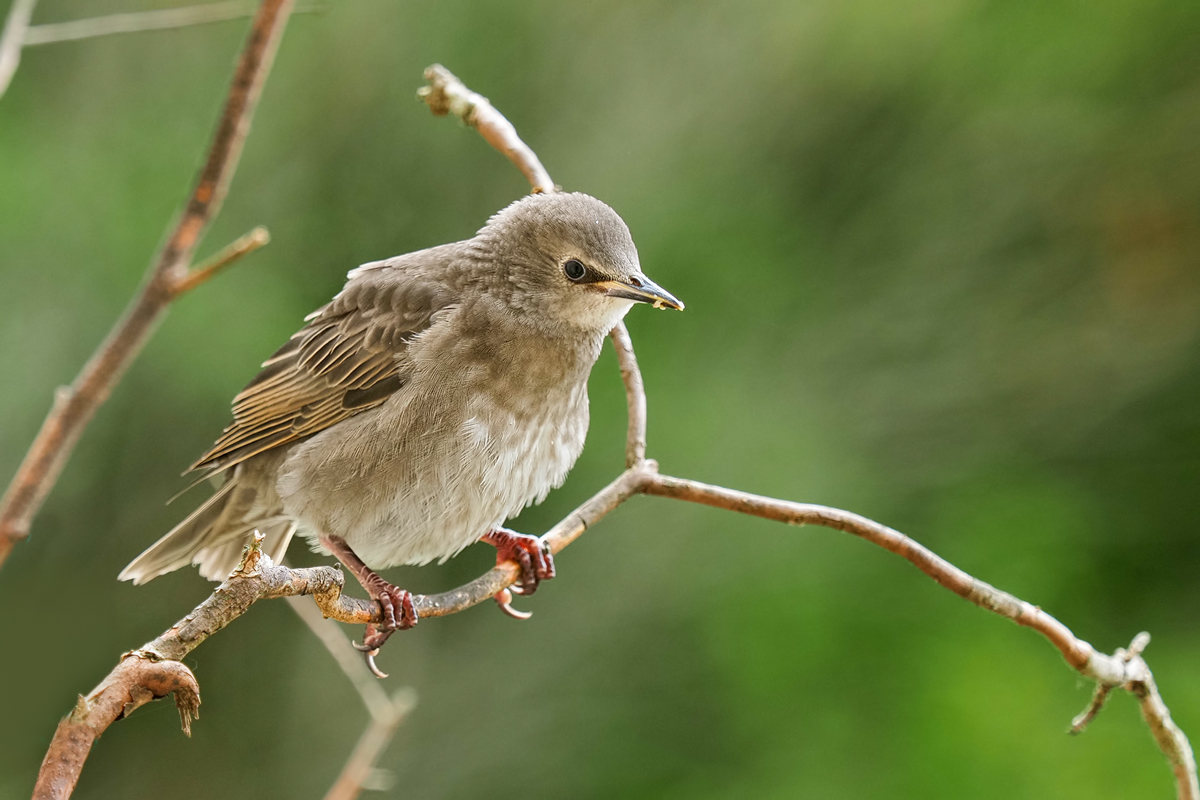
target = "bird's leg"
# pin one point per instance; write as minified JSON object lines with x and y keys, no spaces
{"x":533,"y":559}
{"x":396,"y":604}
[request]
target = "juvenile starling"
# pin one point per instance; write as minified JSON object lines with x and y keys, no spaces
{"x":437,"y":395}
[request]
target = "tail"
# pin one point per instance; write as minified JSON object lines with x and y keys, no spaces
{"x":213,"y":537}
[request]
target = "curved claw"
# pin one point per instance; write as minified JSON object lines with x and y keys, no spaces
{"x":376,"y":671}
{"x":503,"y":599}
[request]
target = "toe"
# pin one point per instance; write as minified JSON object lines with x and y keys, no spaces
{"x":387,"y":611}
{"x":545,"y":562}
{"x":528,"y":581}
{"x":408,"y":611}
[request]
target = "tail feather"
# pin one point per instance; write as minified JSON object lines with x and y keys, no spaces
{"x":177,"y":548}
{"x":213,"y":536}
{"x":217,"y":561}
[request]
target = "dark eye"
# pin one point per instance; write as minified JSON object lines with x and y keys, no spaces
{"x":574,"y":270}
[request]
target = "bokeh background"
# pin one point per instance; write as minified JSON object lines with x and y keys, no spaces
{"x":940,"y":261}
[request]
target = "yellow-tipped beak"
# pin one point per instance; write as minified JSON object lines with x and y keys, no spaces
{"x":642,"y":290}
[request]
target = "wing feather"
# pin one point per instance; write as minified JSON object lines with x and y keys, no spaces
{"x":348,"y":358}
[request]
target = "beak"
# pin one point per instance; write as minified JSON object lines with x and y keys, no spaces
{"x":642,"y":290}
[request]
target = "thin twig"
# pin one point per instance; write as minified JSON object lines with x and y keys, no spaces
{"x":235,"y":250}
{"x":635,"y":396}
{"x":12,"y":38}
{"x":169,"y":277}
{"x":1125,"y":669}
{"x":1095,"y":706}
{"x":360,"y":771}
{"x":446,"y":94}
{"x":1077,"y":653}
{"x":334,"y":637}
{"x":139,"y":21}
{"x":386,"y":712}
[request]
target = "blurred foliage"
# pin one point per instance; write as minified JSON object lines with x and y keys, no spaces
{"x":940,"y":262}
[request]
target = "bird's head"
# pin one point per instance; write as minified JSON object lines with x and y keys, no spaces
{"x":567,"y":257}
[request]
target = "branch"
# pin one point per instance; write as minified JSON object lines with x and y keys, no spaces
{"x":360,"y":772}
{"x":1125,"y":669}
{"x":257,"y":579}
{"x":235,"y":250}
{"x":135,"y":681}
{"x":386,"y":712}
{"x":16,"y":27}
{"x":446,"y":94}
{"x":169,"y":278}
{"x":635,"y":396}
{"x":155,"y":669}
{"x":139,"y":21}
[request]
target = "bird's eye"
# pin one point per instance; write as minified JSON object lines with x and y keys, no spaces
{"x":574,"y":270}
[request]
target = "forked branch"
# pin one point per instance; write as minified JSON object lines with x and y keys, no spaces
{"x":168,"y":278}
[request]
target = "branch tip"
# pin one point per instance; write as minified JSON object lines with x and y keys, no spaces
{"x":251,"y":554}
{"x":445,"y":94}
{"x":1137,"y":646}
{"x":239,"y":248}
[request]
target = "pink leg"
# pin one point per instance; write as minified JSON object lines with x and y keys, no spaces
{"x":395,"y":603}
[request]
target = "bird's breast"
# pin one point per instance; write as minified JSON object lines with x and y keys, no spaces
{"x":465,"y":445}
{"x":523,"y":453}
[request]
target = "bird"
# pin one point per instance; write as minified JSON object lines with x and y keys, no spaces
{"x":434,"y":397}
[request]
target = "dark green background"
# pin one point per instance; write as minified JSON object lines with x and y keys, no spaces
{"x":940,"y":261}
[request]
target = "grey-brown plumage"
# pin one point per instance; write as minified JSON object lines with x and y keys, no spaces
{"x":434,"y":397}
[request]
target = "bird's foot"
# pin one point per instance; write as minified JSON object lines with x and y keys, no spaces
{"x":397,"y":611}
{"x":532,"y":557}
{"x":531,"y":554}
{"x":398,"y":614}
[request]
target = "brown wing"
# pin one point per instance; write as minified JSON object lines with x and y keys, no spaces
{"x":345,"y":361}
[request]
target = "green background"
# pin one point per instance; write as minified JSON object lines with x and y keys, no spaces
{"x":940,"y":261}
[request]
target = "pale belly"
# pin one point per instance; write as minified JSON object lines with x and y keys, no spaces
{"x":405,"y":490}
